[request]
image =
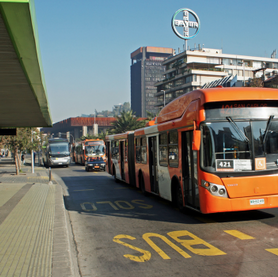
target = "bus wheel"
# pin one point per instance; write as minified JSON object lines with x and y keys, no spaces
{"x":142,"y":185}
{"x":178,"y":198}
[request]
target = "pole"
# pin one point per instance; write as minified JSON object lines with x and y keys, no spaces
{"x":185,"y":44}
{"x":50,"y":175}
{"x":32,"y":153}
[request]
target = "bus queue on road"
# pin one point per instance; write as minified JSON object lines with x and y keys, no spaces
{"x":211,"y":150}
{"x":91,"y":153}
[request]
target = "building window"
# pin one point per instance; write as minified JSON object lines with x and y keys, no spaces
{"x":188,"y":79}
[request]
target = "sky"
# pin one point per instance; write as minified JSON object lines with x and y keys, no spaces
{"x":85,"y":45}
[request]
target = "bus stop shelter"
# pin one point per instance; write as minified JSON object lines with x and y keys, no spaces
{"x":23,"y":98}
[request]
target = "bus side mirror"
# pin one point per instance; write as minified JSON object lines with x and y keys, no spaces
{"x":196,"y":140}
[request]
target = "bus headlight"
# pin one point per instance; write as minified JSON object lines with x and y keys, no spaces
{"x":214,"y":189}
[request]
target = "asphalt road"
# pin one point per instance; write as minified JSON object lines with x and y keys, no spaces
{"x":120,"y":232}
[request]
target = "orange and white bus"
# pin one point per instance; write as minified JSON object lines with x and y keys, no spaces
{"x":120,"y":157}
{"x":87,"y":148}
{"x":211,"y":150}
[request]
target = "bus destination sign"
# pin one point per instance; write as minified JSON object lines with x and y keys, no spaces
{"x":242,"y":109}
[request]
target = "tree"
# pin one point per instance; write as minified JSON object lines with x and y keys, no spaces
{"x":25,"y":139}
{"x":151,"y":116}
{"x":256,"y":82}
{"x":126,"y":121}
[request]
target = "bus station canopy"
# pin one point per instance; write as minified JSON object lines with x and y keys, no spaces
{"x":23,"y":99}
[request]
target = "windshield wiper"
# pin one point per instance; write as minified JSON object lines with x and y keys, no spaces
{"x":267,"y":128}
{"x":237,"y":129}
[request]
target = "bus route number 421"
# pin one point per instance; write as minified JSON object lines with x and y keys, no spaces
{"x":225,"y":165}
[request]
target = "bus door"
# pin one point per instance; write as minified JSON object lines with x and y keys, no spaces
{"x":108,"y":157}
{"x":153,"y":164}
{"x":189,"y":171}
{"x":122,"y":157}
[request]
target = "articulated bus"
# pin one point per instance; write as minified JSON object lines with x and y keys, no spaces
{"x":211,"y":150}
{"x":88,"y":148}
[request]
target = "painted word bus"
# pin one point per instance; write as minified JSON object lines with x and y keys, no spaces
{"x":88,"y":148}
{"x":56,"y":152}
{"x":211,"y":150}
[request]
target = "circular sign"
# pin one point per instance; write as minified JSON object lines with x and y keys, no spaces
{"x":185,"y":23}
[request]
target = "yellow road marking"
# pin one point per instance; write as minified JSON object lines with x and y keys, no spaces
{"x":143,"y":258}
{"x":273,"y":251}
{"x":193,"y":243}
{"x":238,"y":234}
{"x":147,"y":236}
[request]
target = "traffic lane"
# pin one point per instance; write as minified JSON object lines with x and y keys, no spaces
{"x":97,"y":193}
{"x":131,"y":233}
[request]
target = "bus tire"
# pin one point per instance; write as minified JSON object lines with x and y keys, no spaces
{"x":142,"y":184}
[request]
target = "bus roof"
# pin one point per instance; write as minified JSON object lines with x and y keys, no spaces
{"x":119,"y":136}
{"x":177,"y":107}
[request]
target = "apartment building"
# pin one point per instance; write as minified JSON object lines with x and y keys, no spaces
{"x":204,"y":67}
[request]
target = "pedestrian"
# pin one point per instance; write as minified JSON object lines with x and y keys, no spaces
{"x":23,"y":158}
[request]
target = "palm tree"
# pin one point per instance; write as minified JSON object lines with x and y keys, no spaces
{"x":127,"y":121}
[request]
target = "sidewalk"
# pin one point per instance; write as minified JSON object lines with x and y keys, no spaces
{"x":35,"y":232}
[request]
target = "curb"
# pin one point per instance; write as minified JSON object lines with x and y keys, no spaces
{"x":65,"y":263}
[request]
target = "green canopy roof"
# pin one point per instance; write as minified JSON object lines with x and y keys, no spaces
{"x":23,"y":98}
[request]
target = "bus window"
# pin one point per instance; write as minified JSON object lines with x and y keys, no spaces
{"x":173,"y":149}
{"x":143,"y":150}
{"x":227,"y":146}
{"x":138,"y":150}
{"x":115,"y":150}
{"x":163,"y":149}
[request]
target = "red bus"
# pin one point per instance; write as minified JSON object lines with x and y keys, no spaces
{"x":87,"y":148}
{"x":211,"y":150}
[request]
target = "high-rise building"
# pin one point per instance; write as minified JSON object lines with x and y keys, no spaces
{"x":146,"y":69}
{"x":206,"y":67}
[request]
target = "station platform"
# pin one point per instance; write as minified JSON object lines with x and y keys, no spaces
{"x":35,"y":232}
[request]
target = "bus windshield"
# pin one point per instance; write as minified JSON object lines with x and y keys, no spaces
{"x":59,"y":148}
{"x":94,"y":150}
{"x":240,"y":145}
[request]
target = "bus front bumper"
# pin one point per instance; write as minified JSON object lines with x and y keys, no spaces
{"x":216,"y":204}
